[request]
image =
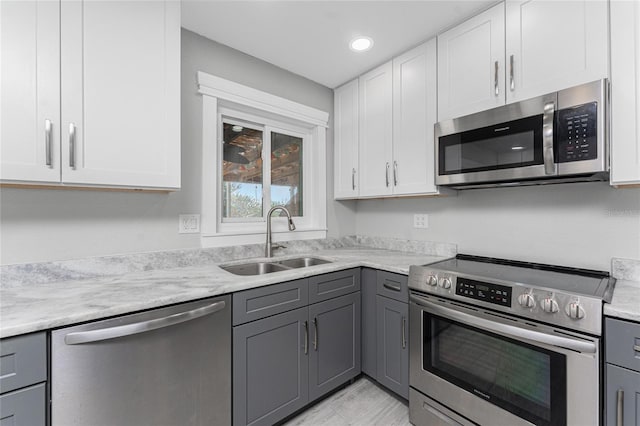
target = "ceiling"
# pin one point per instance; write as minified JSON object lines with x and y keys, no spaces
{"x":311,"y":38}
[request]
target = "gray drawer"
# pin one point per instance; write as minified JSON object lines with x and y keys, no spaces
{"x":623,"y":343}
{"x":262,"y":302}
{"x":328,"y":286}
{"x":24,"y":407}
{"x":393,"y":286}
{"x":23,"y":361}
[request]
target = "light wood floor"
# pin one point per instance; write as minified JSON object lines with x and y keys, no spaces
{"x":362,"y":403}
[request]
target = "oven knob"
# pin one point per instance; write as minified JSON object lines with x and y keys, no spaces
{"x":574,"y":310}
{"x":445,"y":283}
{"x":549,"y":305}
{"x":526,"y":300}
{"x":432,"y":280}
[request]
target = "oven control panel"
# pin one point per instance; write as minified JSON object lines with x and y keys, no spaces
{"x":487,"y":292}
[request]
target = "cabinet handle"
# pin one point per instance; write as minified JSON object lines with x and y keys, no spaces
{"x":315,"y":335}
{"x":47,"y":142}
{"x":72,"y":146}
{"x":386,"y":176}
{"x":620,"y":407}
{"x":306,"y":337}
{"x":636,"y":348}
{"x":512,"y":83}
{"x":404,"y":334}
{"x":496,"y":89}
{"x":353,"y":179}
{"x":391,"y":287}
{"x":547,"y":138}
{"x":395,"y":173}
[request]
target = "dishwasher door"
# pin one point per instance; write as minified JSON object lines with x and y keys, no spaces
{"x":169,"y":366}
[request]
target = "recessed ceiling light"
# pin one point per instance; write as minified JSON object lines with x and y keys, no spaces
{"x":361,"y":44}
{"x":517,"y":148}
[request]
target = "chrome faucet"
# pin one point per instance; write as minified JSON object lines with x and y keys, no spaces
{"x":268,"y":248}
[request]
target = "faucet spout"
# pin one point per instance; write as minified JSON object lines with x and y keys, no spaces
{"x":268,"y":246}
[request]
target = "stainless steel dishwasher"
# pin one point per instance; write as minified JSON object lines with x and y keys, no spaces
{"x":169,"y":366}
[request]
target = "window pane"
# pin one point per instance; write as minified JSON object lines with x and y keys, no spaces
{"x":286,"y":172}
{"x":241,"y":172}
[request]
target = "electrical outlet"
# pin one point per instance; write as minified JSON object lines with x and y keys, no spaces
{"x":188,"y":224}
{"x":420,"y":220}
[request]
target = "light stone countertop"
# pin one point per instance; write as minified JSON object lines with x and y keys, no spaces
{"x":625,"y":303}
{"x":47,"y":305}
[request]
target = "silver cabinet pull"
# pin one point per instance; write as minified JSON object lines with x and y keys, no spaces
{"x":391,"y":287}
{"x":512,"y":83}
{"x":404,"y":333}
{"x":315,"y":335}
{"x":386,"y":176}
{"x":72,"y":146}
{"x":353,"y":179}
{"x":496,"y":89}
{"x":47,"y":143}
{"x":620,"y":407}
{"x":80,"y":337}
{"x":395,"y":173}
{"x":636,"y":348}
{"x":547,"y":138}
{"x":306,"y":337}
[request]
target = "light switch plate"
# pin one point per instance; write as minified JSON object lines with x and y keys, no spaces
{"x":420,"y":220}
{"x":188,"y":224}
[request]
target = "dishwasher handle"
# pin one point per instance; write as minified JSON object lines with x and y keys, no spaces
{"x":81,"y":337}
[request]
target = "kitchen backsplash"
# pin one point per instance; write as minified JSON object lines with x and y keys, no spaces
{"x":93,"y":267}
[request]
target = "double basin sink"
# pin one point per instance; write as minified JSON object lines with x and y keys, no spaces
{"x":261,"y":268}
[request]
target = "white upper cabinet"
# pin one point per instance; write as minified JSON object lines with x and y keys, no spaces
{"x":346,"y":138}
{"x":552,"y":45}
{"x":375,"y":150}
{"x":30,"y":91}
{"x":471,"y":66}
{"x":414,"y":116}
{"x":106,"y":76}
{"x":625,"y":92}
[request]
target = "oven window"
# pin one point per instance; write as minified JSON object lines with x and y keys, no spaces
{"x":527,"y":381}
{"x":509,"y":145}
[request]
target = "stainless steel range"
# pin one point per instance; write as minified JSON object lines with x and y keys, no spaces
{"x":499,"y":342}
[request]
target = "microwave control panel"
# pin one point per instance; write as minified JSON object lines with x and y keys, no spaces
{"x":576,"y":129}
{"x":487,"y":292}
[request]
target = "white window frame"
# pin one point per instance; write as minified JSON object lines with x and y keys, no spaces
{"x":226,"y":99}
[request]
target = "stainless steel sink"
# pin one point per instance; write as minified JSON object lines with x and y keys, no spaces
{"x":254,"y":268}
{"x":303,"y":262}
{"x":261,"y":268}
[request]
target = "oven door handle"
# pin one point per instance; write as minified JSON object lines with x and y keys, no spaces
{"x":505,"y":329}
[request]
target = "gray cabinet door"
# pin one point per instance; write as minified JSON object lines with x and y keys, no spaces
{"x":24,"y":407}
{"x":623,"y":387}
{"x":334,"y":353}
{"x":393,"y":345}
{"x":270,"y":368}
{"x":369,"y":331}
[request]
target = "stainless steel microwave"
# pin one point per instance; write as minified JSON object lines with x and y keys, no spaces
{"x":558,"y":137}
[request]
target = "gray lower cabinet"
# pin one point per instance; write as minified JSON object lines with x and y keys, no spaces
{"x":270,"y":368}
{"x":334,"y":356}
{"x":23,"y":375}
{"x":393,"y":345}
{"x":622,"y":354}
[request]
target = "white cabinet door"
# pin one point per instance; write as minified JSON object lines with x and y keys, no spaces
{"x":553,"y":45}
{"x":471,"y":71}
{"x":625,"y":92}
{"x":121,"y":93}
{"x":346,"y":136}
{"x":30,"y":91}
{"x":414,"y":115}
{"x":376,"y":132}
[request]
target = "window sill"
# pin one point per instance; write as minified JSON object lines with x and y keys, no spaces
{"x":255,"y":237}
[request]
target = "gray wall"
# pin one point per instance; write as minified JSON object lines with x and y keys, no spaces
{"x":42,"y":225}
{"x":582,"y":224}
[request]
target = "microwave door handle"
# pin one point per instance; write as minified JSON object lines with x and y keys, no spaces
{"x":547,"y":138}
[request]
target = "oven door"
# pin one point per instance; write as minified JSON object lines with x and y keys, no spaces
{"x":507,"y":143}
{"x":496,"y":370}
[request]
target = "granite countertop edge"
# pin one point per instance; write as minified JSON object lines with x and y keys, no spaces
{"x":625,"y":303}
{"x":31,"y":308}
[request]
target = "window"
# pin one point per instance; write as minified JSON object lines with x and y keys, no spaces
{"x":260,"y":151}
